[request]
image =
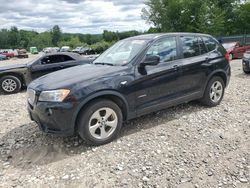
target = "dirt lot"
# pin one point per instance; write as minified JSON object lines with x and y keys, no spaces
{"x":184,"y":146}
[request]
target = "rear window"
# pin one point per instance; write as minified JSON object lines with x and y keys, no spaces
{"x":67,"y":58}
{"x":210,"y":43}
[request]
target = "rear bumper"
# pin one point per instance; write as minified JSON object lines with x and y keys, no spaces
{"x":55,"y":118}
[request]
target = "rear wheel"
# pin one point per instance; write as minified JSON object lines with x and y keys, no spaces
{"x":214,"y":92}
{"x":10,"y":84}
{"x":100,"y":123}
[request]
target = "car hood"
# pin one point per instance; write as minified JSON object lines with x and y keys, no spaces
{"x":10,"y":67}
{"x":67,"y":78}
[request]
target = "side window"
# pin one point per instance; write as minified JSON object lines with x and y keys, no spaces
{"x":203,"y":47}
{"x":52,"y":59}
{"x":210,"y":43}
{"x":165,"y":48}
{"x":67,"y":58}
{"x":190,"y":46}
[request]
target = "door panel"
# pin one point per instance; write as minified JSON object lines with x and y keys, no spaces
{"x":158,"y":84}
{"x":194,"y":73}
{"x":194,"y":64}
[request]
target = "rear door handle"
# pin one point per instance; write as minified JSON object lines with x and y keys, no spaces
{"x":175,"y":67}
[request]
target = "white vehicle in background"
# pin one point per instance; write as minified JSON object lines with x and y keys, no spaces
{"x":47,"y":50}
{"x":65,"y":49}
{"x":51,"y":50}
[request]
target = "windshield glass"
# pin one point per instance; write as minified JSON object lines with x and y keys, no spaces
{"x":228,"y":45}
{"x":121,"y":53}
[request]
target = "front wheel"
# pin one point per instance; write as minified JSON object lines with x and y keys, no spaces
{"x":10,"y":84}
{"x":100,"y":123}
{"x":214,"y":92}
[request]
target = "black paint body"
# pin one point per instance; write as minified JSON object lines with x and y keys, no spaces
{"x":137,"y":92}
{"x":28,"y":72}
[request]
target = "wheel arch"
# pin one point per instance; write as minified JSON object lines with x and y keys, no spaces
{"x":219,"y":73}
{"x":18,"y":75}
{"x":114,"y":96}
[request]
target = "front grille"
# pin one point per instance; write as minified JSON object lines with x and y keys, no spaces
{"x":31,"y":96}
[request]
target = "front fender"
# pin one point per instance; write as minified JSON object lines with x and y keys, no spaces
{"x":96,"y":95}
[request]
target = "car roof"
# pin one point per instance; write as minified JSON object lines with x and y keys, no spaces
{"x":159,"y":35}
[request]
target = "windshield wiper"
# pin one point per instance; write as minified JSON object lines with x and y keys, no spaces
{"x":99,"y":63}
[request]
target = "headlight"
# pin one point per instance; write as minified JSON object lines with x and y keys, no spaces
{"x":54,"y":95}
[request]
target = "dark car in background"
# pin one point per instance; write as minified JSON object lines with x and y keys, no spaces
{"x":84,"y":51}
{"x":136,"y":76}
{"x":13,"y":77}
{"x":246,"y":62}
{"x":236,"y":49}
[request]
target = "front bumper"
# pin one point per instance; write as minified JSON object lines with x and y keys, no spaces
{"x":55,"y":118}
{"x":246,"y":64}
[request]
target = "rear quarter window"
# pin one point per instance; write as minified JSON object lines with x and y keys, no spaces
{"x":212,"y":45}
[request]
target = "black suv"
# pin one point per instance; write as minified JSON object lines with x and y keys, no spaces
{"x":134,"y":77}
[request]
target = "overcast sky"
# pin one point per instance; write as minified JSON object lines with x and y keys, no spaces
{"x":74,"y":16}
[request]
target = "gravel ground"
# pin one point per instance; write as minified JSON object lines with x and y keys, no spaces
{"x":184,"y":146}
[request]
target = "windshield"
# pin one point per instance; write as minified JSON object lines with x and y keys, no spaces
{"x":121,"y":53}
{"x":228,"y":45}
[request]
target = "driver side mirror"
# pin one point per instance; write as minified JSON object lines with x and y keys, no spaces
{"x":151,"y":60}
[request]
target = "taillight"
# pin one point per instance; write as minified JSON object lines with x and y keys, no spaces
{"x":227,"y":56}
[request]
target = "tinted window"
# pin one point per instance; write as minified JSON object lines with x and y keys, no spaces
{"x":165,"y":48}
{"x":67,"y":58}
{"x":52,"y":59}
{"x":203,"y":48}
{"x":190,"y":46}
{"x":210,"y":43}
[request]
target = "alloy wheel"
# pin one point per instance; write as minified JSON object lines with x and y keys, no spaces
{"x":103,"y":123}
{"x":216,"y":91}
{"x":9,"y":85}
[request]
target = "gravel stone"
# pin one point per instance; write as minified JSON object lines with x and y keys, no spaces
{"x":184,"y":146}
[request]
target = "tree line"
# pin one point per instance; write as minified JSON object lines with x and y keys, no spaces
{"x":14,"y":38}
{"x":215,"y":17}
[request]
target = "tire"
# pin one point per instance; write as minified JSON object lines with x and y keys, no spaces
{"x":10,"y":84}
{"x":95,"y":116}
{"x":246,"y":72}
{"x":212,"y":96}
